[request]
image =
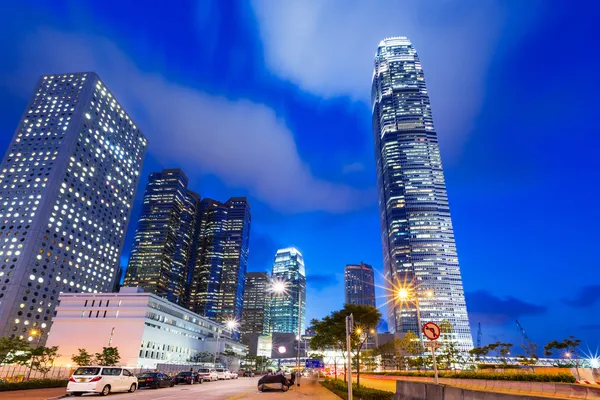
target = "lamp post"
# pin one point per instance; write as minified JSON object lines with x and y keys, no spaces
{"x":359,"y":332}
{"x":32,"y":334}
{"x":281,"y":287}
{"x":404,"y":294}
{"x":231,"y":324}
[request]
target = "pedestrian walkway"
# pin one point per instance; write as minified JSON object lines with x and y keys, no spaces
{"x":309,"y":389}
{"x":32,"y":394}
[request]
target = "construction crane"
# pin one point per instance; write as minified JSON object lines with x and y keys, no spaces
{"x":523,"y":333}
{"x":479,"y":335}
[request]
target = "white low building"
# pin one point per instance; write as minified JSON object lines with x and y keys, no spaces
{"x":147,"y":330}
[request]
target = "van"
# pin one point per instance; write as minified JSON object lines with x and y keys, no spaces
{"x":100,"y":379}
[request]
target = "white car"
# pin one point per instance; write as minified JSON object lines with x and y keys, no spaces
{"x":234,"y":375}
{"x":222,"y":374}
{"x":208,"y":374}
{"x":103,"y":380}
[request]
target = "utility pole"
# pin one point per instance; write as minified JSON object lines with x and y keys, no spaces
{"x":349,"y":328}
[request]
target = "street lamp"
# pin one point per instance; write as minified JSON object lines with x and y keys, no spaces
{"x":359,"y":331}
{"x":405,"y":293}
{"x":281,"y":287}
{"x":32,"y":334}
{"x":231,"y":324}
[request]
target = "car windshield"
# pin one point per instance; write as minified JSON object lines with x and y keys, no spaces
{"x":184,"y":373}
{"x":147,"y":375}
{"x":219,"y":370}
{"x":87,"y":371}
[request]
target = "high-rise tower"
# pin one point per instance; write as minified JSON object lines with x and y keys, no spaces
{"x":360,"y":284}
{"x":68,"y":181}
{"x":257,"y":303}
{"x":219,"y":275}
{"x":288,"y":270}
{"x":418,"y":240}
{"x":163,"y":249}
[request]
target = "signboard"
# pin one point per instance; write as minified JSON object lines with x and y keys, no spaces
{"x":431,"y":331}
{"x":314,"y":364}
{"x":433,"y":345}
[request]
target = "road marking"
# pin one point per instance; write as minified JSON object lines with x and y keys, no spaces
{"x":237,"y":396}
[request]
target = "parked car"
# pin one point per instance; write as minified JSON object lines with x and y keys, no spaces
{"x":103,"y":380}
{"x":221,"y":375}
{"x":249,"y":373}
{"x":234,"y":375}
{"x":188,"y":377}
{"x":208,"y":374}
{"x":154,"y":380}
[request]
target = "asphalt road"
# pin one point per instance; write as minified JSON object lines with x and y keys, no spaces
{"x":219,"y":390}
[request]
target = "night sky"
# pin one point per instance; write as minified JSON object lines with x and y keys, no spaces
{"x":271,"y":100}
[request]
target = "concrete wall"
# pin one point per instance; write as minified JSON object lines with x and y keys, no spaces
{"x":489,"y":390}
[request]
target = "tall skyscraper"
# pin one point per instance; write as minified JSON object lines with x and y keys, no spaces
{"x":288,"y":269}
{"x":360,"y":284}
{"x":218,"y":279}
{"x":164,"y":245}
{"x":68,"y":181}
{"x":418,"y":240}
{"x":257,"y":303}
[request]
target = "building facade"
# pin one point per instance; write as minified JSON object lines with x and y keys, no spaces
{"x":147,"y":329}
{"x":419,"y":249}
{"x":163,"y":250}
{"x":257,"y":304}
{"x":359,"y":283}
{"x":288,"y":310}
{"x":218,"y":279}
{"x":69,"y":179}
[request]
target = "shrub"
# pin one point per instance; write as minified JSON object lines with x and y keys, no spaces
{"x":340,"y":388}
{"x":33,"y":384}
{"x":496,"y":376}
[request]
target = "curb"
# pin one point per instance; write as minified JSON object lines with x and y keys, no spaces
{"x":58,"y":397}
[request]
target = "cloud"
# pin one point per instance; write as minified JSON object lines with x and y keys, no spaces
{"x":588,"y":295}
{"x":489,"y":309}
{"x":354,"y":167}
{"x":243,"y":143}
{"x":320,"y":282}
{"x":327,"y":47}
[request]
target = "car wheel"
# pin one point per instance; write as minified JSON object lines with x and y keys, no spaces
{"x":132,"y":388}
{"x":105,"y":391}
{"x":172,"y":384}
{"x":156,"y":386}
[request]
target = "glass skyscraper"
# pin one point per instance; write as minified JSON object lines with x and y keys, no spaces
{"x":257,"y":303}
{"x":288,"y":268}
{"x":418,"y":240}
{"x":218,"y":279}
{"x":359,"y":283}
{"x":164,"y":246}
{"x":67,"y":185}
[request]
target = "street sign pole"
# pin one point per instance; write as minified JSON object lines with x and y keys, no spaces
{"x":349,"y":327}
{"x":435,"y":371}
{"x":432,"y":332}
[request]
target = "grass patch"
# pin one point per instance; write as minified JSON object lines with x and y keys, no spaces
{"x":33,"y":384}
{"x":494,"y":376}
{"x":340,"y":388}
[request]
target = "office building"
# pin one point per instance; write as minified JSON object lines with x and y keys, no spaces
{"x":164,"y":246}
{"x":360,"y":284}
{"x":419,"y":249}
{"x":218,"y":279}
{"x":257,"y":304}
{"x":288,"y":307}
{"x":68,"y":181}
{"x":148,"y":330}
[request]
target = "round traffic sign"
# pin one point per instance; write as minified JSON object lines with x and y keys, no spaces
{"x":431,"y":331}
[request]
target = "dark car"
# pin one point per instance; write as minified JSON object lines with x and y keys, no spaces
{"x":154,"y":380}
{"x":187,"y":377}
{"x":249,"y":373}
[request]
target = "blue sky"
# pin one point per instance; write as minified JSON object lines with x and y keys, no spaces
{"x":270,"y":99}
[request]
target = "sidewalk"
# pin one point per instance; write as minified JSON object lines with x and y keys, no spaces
{"x":308,"y":389}
{"x":32,"y":394}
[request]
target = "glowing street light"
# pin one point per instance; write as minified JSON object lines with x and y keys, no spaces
{"x":403,"y":293}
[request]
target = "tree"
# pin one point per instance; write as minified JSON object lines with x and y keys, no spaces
{"x":42,"y":359}
{"x":450,"y":351}
{"x":109,"y":356}
{"x":13,"y":350}
{"x":331,"y":330}
{"x":229,"y":355}
{"x":82,"y":358}
{"x":530,"y":358}
{"x":570,"y":349}
{"x":478,"y":352}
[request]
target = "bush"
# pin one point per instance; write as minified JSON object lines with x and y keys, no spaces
{"x":340,"y":388}
{"x":33,"y":384}
{"x":495,"y":376}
